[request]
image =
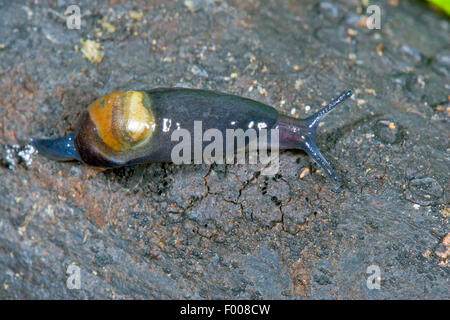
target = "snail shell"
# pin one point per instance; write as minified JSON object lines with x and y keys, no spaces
{"x":118,"y":124}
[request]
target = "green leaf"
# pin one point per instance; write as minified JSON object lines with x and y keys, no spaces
{"x":443,"y":4}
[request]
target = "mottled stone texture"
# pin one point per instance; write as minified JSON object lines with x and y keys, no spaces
{"x":198,"y":231}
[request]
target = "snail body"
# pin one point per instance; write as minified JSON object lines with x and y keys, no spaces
{"x":129,"y":127}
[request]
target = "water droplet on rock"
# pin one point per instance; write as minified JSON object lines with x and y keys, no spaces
{"x":388,"y":131}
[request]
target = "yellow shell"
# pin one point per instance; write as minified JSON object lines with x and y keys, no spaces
{"x":123,"y":119}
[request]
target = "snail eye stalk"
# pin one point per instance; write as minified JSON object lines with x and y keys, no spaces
{"x":308,"y":143}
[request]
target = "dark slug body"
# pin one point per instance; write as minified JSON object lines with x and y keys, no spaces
{"x":173,"y":108}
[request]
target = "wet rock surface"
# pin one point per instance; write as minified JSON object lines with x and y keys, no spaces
{"x":199,"y":231}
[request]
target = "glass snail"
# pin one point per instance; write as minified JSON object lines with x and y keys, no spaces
{"x":130,"y":127}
